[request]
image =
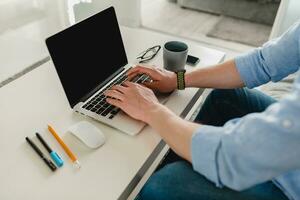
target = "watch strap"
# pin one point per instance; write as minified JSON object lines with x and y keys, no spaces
{"x":180,"y":80}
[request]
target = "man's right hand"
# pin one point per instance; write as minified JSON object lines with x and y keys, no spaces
{"x":162,"y":80}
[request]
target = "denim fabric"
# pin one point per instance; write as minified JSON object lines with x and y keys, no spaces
{"x":178,"y":181}
{"x":224,"y":105}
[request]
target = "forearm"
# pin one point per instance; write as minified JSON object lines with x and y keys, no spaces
{"x":224,"y":76}
{"x":176,"y":132}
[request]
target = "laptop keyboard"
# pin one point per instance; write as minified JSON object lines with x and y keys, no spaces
{"x":98,"y":103}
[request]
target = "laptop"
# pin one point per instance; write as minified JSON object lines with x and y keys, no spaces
{"x":89,"y":58}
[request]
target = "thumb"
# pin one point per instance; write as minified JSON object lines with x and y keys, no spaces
{"x":150,"y":71}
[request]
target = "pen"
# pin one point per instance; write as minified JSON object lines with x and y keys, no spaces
{"x":48,"y":162}
{"x":65,"y":147}
{"x":58,"y":161}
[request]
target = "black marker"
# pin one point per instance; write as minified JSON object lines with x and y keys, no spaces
{"x":48,"y":162}
{"x":58,"y":161}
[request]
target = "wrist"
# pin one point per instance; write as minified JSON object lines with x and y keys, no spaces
{"x":174,"y":81}
{"x":155,"y":113}
{"x":188,"y":79}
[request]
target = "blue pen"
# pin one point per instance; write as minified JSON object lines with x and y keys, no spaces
{"x":58,"y":161}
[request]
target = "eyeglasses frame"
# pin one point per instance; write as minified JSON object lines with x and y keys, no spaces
{"x":144,"y":60}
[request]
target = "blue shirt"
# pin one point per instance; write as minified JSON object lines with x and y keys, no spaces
{"x":260,"y":146}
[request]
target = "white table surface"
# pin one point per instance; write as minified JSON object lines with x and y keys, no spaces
{"x":29,"y":103}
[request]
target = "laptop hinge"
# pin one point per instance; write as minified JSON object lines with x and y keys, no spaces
{"x":85,"y":97}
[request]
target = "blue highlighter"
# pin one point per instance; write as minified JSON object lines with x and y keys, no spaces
{"x":55,"y":157}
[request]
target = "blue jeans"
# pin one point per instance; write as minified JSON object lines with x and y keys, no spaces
{"x":175,"y":178}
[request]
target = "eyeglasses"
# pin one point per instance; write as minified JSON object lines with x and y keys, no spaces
{"x":149,"y":54}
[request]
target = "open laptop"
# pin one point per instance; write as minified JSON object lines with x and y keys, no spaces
{"x":89,"y":58}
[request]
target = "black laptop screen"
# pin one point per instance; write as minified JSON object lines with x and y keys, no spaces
{"x":87,"y":53}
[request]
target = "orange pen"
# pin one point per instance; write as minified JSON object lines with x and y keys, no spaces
{"x":65,"y":147}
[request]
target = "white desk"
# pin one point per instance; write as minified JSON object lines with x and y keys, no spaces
{"x":31,"y":102}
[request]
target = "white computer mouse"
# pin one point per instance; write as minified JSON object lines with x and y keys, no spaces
{"x":89,"y":134}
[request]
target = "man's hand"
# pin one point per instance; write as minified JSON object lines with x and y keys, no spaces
{"x":134,"y":99}
{"x":163,"y":80}
{"x":140,"y":103}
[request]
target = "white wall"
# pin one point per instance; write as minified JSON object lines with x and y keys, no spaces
{"x":288,"y":13}
{"x":24,"y":25}
{"x":128,"y":11}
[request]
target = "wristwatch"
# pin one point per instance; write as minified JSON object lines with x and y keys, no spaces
{"x":180,"y":79}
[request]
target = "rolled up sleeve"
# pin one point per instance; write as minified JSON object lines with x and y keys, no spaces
{"x":205,"y":144}
{"x":273,"y":61}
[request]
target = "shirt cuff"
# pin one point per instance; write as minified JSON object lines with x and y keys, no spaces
{"x":245,"y":65}
{"x":205,"y":144}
